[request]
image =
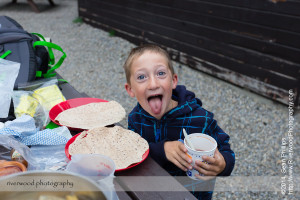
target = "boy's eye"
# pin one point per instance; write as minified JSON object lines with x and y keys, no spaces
{"x":140,"y":77}
{"x":161,"y":73}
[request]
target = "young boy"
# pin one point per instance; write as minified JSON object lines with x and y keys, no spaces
{"x":164,"y":109}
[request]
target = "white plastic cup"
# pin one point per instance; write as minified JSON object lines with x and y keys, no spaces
{"x":99,"y":168}
{"x":94,"y":166}
{"x":204,"y":145}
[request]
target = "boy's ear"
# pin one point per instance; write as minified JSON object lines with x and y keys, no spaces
{"x":174,"y":81}
{"x":129,"y":90}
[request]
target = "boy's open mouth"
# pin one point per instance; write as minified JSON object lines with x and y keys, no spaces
{"x":155,"y":103}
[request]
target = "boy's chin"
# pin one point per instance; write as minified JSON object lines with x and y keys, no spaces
{"x":155,"y":115}
{"x":158,"y":116}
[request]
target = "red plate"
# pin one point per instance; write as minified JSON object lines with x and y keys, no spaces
{"x":145,"y":155}
{"x":71,"y":103}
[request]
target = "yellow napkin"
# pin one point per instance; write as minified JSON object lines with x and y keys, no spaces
{"x":27,"y":105}
{"x":49,"y":96}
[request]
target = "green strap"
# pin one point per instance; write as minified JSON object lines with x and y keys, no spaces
{"x":49,"y":73}
{"x":38,"y":74}
{"x":63,"y":80}
{"x":5,"y":54}
{"x":51,"y":54}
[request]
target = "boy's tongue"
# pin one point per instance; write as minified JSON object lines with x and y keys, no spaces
{"x":155,"y":104}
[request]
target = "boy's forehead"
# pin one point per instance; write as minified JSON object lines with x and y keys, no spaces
{"x":137,"y":61}
{"x":149,"y":55}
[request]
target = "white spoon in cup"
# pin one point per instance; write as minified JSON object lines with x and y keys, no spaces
{"x":189,"y":143}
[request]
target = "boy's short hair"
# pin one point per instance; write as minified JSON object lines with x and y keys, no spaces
{"x":137,"y":51}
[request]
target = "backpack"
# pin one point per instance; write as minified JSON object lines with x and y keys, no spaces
{"x":29,"y":50}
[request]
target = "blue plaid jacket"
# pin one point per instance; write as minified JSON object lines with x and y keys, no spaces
{"x":189,"y":115}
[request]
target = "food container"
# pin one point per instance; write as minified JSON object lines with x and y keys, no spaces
{"x":94,"y":166}
{"x":36,"y":185}
{"x":97,"y":167}
{"x":11,"y":167}
{"x":16,"y":156}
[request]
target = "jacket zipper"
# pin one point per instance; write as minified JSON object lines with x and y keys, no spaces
{"x":157,"y":131}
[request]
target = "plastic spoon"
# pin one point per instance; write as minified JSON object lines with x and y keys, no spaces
{"x":188,"y":140}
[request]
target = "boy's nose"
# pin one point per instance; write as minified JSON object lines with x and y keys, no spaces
{"x":153,"y":83}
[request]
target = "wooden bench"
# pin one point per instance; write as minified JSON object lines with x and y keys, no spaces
{"x":34,"y":6}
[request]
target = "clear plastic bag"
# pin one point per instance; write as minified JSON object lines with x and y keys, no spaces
{"x":33,"y":85}
{"x":46,"y":91}
{"x":36,"y":98}
{"x":51,"y":158}
{"x":49,"y":94}
{"x":42,"y":157}
{"x":26,"y":103}
{"x":8,"y":74}
{"x":8,"y":143}
{"x":1,"y":125}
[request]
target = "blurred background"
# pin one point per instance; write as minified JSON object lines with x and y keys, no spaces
{"x":240,"y":58}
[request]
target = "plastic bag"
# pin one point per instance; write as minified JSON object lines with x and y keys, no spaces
{"x":1,"y":125}
{"x":51,"y":158}
{"x":46,"y":91}
{"x":8,"y":143}
{"x":26,"y":103}
{"x":36,"y":99}
{"x":33,"y":85}
{"x":8,"y":74}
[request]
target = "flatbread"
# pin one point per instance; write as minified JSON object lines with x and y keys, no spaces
{"x":92,"y":115}
{"x":123,"y":146}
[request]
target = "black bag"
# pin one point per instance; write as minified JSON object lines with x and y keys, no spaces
{"x":18,"y":45}
{"x":36,"y":61}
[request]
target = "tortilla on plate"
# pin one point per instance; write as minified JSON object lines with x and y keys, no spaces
{"x":92,"y":115}
{"x":123,"y":146}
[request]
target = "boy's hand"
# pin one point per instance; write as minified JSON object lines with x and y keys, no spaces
{"x":216,"y":165}
{"x":176,"y":153}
